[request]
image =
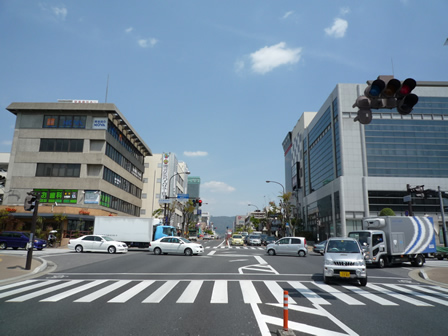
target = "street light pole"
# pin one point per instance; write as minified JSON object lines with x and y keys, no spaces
{"x":167,"y":195}
{"x":254,"y":206}
{"x":282,"y":204}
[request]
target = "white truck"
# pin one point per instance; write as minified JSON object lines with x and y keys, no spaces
{"x":393,"y":240}
{"x":135,"y":232}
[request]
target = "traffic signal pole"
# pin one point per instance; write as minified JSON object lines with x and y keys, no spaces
{"x":29,"y":256}
{"x":443,"y":218}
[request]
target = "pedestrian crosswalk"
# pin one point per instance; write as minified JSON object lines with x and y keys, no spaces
{"x":222,"y":292}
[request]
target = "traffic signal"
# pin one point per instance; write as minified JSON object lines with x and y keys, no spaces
{"x":199,"y":201}
{"x":194,"y":202}
{"x":30,"y":202}
{"x":387,"y":94}
{"x":418,"y":191}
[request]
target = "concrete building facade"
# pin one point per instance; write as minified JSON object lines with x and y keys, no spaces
{"x":83,"y":157}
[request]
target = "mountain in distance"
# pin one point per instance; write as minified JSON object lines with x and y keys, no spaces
{"x":221,"y":223}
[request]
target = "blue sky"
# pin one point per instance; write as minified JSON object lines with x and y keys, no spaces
{"x":218,"y":83}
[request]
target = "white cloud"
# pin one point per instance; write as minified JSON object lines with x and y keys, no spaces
{"x":145,"y":43}
{"x":197,"y":153}
{"x":287,"y":14}
{"x":7,"y":142}
{"x":215,"y":186}
{"x":338,"y":29}
{"x":60,"y":13}
{"x":128,"y":30}
{"x":345,"y":10}
{"x":268,"y":58}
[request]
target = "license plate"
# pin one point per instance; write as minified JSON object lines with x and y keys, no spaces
{"x":344,"y":274}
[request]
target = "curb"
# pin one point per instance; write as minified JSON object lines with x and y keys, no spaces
{"x":37,"y":270}
{"x":421,"y":276}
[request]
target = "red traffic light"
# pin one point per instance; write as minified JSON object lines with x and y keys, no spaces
{"x":199,"y":202}
{"x":408,"y":85}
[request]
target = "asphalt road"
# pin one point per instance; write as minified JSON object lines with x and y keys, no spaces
{"x":225,"y":291}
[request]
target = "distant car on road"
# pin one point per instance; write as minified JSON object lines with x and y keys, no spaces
{"x":97,"y":243}
{"x":237,"y":239}
{"x":320,"y":247}
{"x":175,"y":245}
{"x":269,"y":240}
{"x":288,"y":245}
{"x":254,"y":240}
{"x":206,"y":237}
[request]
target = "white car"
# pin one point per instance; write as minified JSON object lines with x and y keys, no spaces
{"x":344,"y":259}
{"x":175,"y":245}
{"x":96,"y":243}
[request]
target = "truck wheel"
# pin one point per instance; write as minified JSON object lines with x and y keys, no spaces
{"x":382,"y":262}
{"x":363,"y":281}
{"x":3,"y":246}
{"x":188,"y":252}
{"x":157,"y":251}
{"x":418,"y":261}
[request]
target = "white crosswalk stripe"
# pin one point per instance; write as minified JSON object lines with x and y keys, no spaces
{"x":223,"y":292}
{"x":237,"y":247}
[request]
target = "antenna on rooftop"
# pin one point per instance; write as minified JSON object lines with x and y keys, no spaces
{"x":107,"y":87}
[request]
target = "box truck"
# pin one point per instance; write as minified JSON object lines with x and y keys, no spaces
{"x":393,"y":240}
{"x":135,"y":232}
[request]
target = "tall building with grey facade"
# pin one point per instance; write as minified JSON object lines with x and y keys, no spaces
{"x":342,"y":171}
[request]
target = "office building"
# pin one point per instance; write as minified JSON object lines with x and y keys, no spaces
{"x":82,"y":157}
{"x":343,"y":171}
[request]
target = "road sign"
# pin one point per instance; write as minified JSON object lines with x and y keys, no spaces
{"x":407,"y":198}
{"x":183,"y":196}
{"x":164,"y":201}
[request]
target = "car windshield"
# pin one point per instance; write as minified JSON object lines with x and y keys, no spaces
{"x":107,"y":238}
{"x":342,"y":246}
{"x":237,"y":236}
{"x":185,"y":240}
{"x":254,"y":237}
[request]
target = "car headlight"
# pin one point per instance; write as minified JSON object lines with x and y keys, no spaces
{"x":359,"y":263}
{"x":329,"y":262}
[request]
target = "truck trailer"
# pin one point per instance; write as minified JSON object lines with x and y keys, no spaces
{"x":135,"y":232}
{"x":395,"y":239}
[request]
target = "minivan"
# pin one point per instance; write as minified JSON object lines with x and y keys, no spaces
{"x":16,"y":239}
{"x":288,"y":245}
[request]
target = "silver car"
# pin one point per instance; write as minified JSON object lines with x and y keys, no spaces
{"x":288,"y":245}
{"x":344,"y":259}
{"x":254,"y":240}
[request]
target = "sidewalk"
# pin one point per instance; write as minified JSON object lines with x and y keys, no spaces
{"x":12,"y":267}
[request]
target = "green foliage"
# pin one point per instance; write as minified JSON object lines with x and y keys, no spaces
{"x":387,"y":212}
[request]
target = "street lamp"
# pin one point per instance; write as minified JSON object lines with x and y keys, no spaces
{"x":279,"y":184}
{"x":282,"y":203}
{"x":168,"y":193}
{"x":254,"y":206}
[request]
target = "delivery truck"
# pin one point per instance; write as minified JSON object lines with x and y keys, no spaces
{"x":135,"y":232}
{"x":395,"y":239}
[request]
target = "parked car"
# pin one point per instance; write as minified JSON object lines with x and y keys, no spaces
{"x":175,"y":245}
{"x":263,"y":238}
{"x":237,"y":239}
{"x":97,"y":243}
{"x":254,"y":240}
{"x":16,"y":239}
{"x":269,"y":240}
{"x":320,"y":247}
{"x":344,"y":259}
{"x":288,"y":245}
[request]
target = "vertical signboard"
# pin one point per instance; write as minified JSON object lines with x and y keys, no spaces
{"x":165,"y":162}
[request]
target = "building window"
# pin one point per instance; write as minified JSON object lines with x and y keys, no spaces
{"x":120,"y":182}
{"x":61,"y":145}
{"x":58,"y":170}
{"x":64,"y":121}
